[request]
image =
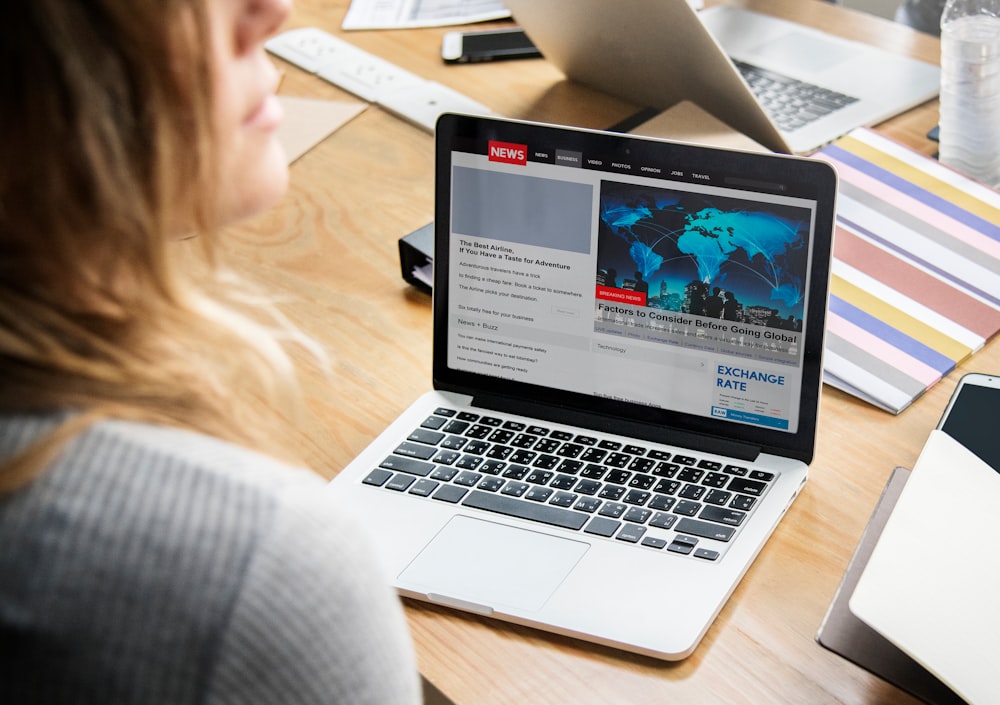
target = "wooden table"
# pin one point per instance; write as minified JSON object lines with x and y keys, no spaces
{"x":330,"y":250}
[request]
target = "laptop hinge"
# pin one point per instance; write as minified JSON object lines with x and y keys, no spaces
{"x":620,"y":427}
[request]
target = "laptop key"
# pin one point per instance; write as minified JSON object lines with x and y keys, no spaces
{"x":740,"y":485}
{"x":611,"y":492}
{"x":547,"y":462}
{"x":570,"y":450}
{"x":492,"y":467}
{"x":590,"y":487}
{"x":564,"y":482}
{"x":377,"y":477}
{"x":730,"y":517}
{"x":540,"y":477}
{"x":454,"y":426}
{"x":449,"y":493}
{"x":516,"y":472}
{"x":434,"y":422}
{"x":593,"y":455}
{"x":705,"y":529}
{"x":454,"y":442}
{"x":637,"y":515}
{"x":476,"y":447}
{"x":544,"y":513}
{"x":612,"y":509}
{"x":677,"y":547}
{"x":400,"y":482}
{"x":706,"y":553}
{"x":692,"y":492}
{"x":491,"y":484}
{"x":631,"y":533}
{"x":718,"y":497}
{"x":524,"y":440}
{"x":662,"y":520}
{"x":600,"y":526}
{"x":446,"y":457}
{"x":479,"y":431}
{"x":715,"y":479}
{"x":444,"y":474}
{"x":469,"y":462}
{"x":660,"y":501}
{"x":409,"y":465}
{"x":467,"y":478}
{"x":515,"y":489}
{"x":424,"y":487}
{"x":415,"y":450}
{"x":539,"y":494}
{"x":687,"y":508}
{"x":424,"y":435}
{"x":570,"y":466}
{"x":563,"y":499}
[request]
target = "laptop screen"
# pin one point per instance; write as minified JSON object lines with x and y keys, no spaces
{"x":670,"y":284}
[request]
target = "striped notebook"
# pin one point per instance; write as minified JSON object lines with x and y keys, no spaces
{"x":916,"y":271}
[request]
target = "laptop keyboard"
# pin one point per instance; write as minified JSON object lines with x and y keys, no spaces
{"x":791,"y":103}
{"x":597,"y":485}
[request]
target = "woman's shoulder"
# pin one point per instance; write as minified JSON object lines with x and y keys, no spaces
{"x":161,"y":489}
{"x":225,"y":546}
{"x":133,"y":453}
{"x":153,"y":490}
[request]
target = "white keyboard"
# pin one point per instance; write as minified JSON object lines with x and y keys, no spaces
{"x":370,"y":78}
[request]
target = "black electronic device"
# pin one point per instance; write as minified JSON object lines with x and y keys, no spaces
{"x":970,"y":417}
{"x":487,"y":45}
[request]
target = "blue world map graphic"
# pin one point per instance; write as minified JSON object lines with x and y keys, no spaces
{"x":676,"y":241}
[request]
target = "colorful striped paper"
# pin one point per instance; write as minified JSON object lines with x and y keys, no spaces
{"x":916,"y":270}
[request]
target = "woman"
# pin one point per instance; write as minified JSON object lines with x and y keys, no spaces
{"x":150,"y":551}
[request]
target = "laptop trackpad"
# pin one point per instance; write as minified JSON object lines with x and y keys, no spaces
{"x":490,"y":565}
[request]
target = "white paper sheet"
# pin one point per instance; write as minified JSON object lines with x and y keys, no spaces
{"x":398,"y":14}
{"x":931,"y":585}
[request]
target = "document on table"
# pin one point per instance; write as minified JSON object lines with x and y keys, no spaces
{"x":930,"y":586}
{"x":308,"y":121}
{"x":399,"y":14}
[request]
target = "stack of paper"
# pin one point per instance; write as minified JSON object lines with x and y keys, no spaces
{"x":916,"y":272}
{"x":930,"y":587}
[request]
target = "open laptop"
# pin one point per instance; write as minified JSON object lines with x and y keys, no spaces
{"x":659,"y":52}
{"x":608,"y":446}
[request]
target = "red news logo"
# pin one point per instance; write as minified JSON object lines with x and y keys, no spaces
{"x":508,"y":153}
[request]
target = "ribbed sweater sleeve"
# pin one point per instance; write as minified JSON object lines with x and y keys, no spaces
{"x":155,"y":565}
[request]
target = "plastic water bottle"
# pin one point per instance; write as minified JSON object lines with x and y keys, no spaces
{"x":970,"y":88}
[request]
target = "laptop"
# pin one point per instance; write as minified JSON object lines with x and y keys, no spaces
{"x":627,"y":367}
{"x":789,"y":87}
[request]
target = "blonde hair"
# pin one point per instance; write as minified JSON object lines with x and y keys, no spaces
{"x":106,"y":134}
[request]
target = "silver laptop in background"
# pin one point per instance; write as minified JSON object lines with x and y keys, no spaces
{"x":628,"y":336}
{"x":657,"y":53}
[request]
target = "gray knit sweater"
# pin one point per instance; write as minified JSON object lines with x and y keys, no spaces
{"x":155,"y":566}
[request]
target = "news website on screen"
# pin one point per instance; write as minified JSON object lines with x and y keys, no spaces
{"x":639,"y":282}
